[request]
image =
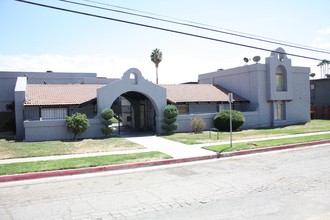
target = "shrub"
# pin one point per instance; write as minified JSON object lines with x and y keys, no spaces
{"x":222,"y":120}
{"x":197,"y":125}
{"x":107,"y":120}
{"x":169,"y":128}
{"x":107,"y":114}
{"x":77,"y":123}
{"x":170,"y":113}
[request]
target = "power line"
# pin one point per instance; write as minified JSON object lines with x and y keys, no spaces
{"x":162,"y":29}
{"x":197,"y":25}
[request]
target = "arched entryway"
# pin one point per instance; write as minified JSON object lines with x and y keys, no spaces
{"x":136,"y":112}
{"x":143,"y":100}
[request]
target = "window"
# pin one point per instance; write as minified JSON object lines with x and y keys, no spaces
{"x":183,"y":109}
{"x":223,"y":107}
{"x":279,"y":110}
{"x":54,"y":113}
{"x":280,"y":79}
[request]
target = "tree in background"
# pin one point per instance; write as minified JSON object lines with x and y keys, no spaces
{"x":107,"y":115}
{"x":156,"y":57}
{"x":77,"y":123}
{"x":324,"y":68}
{"x":170,"y":124}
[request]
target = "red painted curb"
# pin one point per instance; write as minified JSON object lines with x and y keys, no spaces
{"x":55,"y":173}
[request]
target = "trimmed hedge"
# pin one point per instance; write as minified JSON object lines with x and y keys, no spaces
{"x":222,"y":120}
{"x":107,"y":115}
{"x":169,"y":122}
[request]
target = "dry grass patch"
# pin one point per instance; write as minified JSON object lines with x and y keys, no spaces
{"x":17,"y":149}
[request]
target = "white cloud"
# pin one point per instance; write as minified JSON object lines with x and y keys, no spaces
{"x":322,"y":40}
{"x":321,"y":44}
{"x":325,"y":31}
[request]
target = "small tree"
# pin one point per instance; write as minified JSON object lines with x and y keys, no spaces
{"x":107,"y":115}
{"x":170,"y":124}
{"x":77,"y":123}
{"x":222,"y":120}
{"x":197,"y":125}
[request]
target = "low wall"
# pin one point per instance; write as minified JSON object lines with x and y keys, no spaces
{"x":184,"y":121}
{"x":252,"y":120}
{"x":57,"y":130}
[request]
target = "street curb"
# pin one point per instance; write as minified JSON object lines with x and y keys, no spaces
{"x":57,"y":173}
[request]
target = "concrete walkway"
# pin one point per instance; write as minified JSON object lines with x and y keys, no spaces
{"x":175,"y":149}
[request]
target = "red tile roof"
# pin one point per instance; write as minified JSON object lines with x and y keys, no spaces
{"x":177,"y":93}
{"x":75,"y":94}
{"x":60,"y":94}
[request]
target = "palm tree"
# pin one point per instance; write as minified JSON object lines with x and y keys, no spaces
{"x":156,"y":57}
{"x":324,"y":67}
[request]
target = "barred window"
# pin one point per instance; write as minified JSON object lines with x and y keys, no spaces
{"x":54,"y":113}
{"x":279,"y":110}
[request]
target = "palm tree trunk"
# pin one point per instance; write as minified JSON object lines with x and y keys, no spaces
{"x":156,"y":75}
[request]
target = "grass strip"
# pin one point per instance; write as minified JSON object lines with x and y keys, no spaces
{"x":267,"y":143}
{"x":207,"y":137}
{"x":25,"y":167}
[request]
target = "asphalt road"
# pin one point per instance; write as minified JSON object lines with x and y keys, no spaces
{"x":290,"y":184}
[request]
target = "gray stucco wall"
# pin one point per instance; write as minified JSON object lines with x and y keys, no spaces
{"x":56,"y":130}
{"x":298,"y":110}
{"x":248,"y":81}
{"x":257,"y":83}
{"x":184,"y":121}
{"x":20,"y":89}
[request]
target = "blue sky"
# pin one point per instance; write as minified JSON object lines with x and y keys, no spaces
{"x":39,"y":39}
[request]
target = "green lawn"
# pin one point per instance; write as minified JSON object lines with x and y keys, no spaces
{"x":268,"y":143}
{"x":18,"y":149}
{"x":14,"y":168}
{"x":191,"y":138}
